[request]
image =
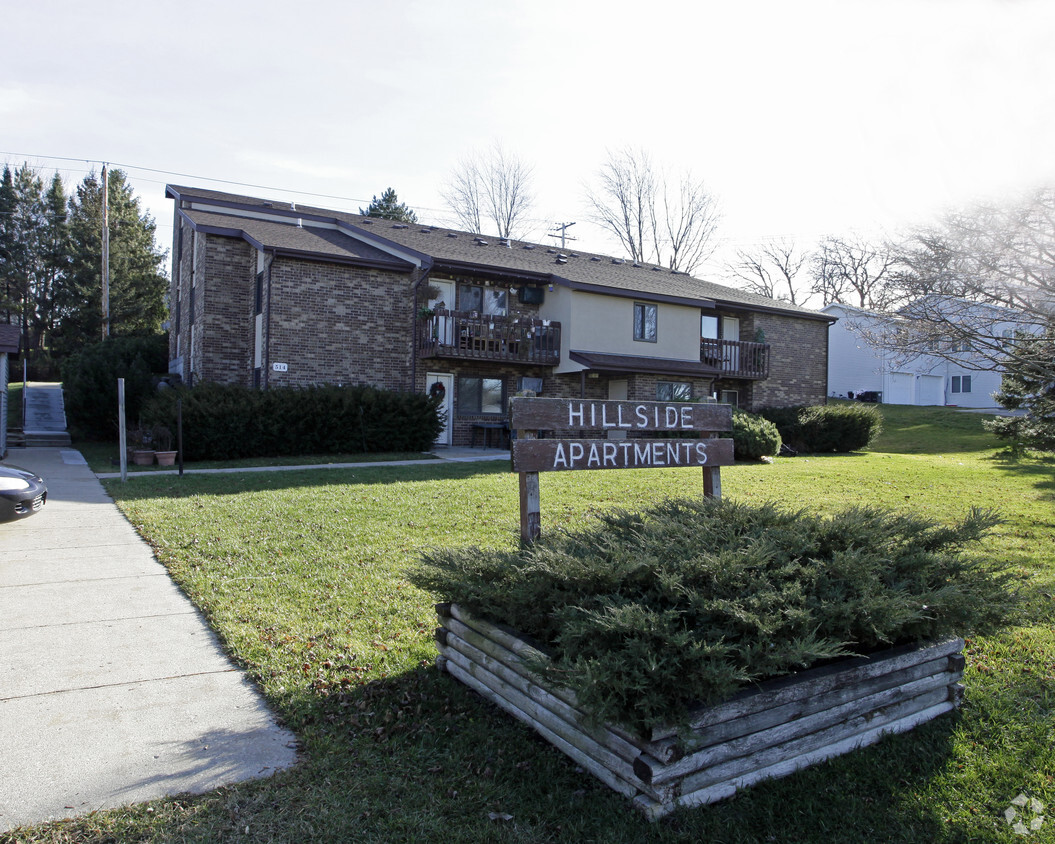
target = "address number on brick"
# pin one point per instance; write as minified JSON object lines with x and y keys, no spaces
{"x":280,"y":367}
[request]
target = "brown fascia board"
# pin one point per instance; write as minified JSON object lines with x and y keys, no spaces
{"x":604,"y":362}
{"x":321,"y":257}
{"x":342,"y":225}
{"x":623,"y":293}
{"x":742,"y":307}
{"x":485,"y":271}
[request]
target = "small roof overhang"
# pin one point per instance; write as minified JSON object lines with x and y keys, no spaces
{"x":600,"y":362}
{"x":10,"y":339}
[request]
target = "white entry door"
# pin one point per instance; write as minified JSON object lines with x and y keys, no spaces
{"x":442,"y":383}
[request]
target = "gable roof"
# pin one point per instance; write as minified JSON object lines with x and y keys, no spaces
{"x":272,"y":224}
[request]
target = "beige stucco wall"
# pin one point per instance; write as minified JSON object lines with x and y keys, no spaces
{"x":595,"y":323}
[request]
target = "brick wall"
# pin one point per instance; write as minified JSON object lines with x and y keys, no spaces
{"x":341,"y":325}
{"x":225,"y":300}
{"x":798,"y":362}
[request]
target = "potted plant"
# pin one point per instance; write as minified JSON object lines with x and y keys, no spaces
{"x":162,"y":438}
{"x":141,"y":446}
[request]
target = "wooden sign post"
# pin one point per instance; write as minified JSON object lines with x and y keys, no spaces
{"x":683,"y":423}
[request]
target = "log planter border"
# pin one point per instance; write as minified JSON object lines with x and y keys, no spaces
{"x":769,"y":731}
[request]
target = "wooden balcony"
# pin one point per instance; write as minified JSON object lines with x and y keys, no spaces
{"x":736,"y":358}
{"x":458,"y":334}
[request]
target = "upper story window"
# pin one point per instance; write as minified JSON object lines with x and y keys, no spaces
{"x":492,"y":301}
{"x":645,"y":320}
{"x":709,"y":327}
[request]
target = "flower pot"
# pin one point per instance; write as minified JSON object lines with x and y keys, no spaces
{"x":770,"y":730}
{"x":143,"y":457}
{"x":166,"y":458}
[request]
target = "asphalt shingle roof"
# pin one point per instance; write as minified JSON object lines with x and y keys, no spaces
{"x":452,"y":250}
{"x":10,"y":338}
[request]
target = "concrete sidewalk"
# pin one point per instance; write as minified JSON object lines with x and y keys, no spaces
{"x":113,"y":690}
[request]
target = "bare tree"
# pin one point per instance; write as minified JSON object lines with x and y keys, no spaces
{"x":852,"y":271}
{"x":491,"y":188}
{"x":771,"y":270}
{"x":976,"y":282}
{"x":656,"y":220}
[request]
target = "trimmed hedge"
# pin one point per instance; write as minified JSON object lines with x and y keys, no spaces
{"x":753,"y":436}
{"x":645,"y":615}
{"x":89,"y":382}
{"x":826,"y":428}
{"x":226,"y":422}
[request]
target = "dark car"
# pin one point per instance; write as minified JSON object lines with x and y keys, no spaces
{"x":21,"y":493}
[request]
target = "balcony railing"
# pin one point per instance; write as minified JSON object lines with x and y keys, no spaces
{"x":736,"y":358}
{"x":459,"y":334}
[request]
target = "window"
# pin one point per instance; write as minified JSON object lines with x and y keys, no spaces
{"x":179,"y":310}
{"x":673,"y":391}
{"x":191,"y":318}
{"x":729,"y":397}
{"x":645,"y":322}
{"x":495,"y":301}
{"x":470,"y":298}
{"x":961,"y":383}
{"x":709,"y":327}
{"x":480,"y":396}
{"x":259,"y":305}
{"x":492,"y":301}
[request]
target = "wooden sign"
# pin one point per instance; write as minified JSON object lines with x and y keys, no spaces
{"x":576,"y":414}
{"x":698,"y":445}
{"x":567,"y":455}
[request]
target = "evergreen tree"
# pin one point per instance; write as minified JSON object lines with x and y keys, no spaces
{"x":390,"y":208}
{"x":24,"y":220}
{"x":8,"y":300}
{"x":137,"y":280}
{"x":1029,"y":386}
{"x":54,"y":262}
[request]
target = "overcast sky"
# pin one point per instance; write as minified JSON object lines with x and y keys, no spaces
{"x":804,"y":118}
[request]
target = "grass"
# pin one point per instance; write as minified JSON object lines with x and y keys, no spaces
{"x":303,"y":575}
{"x":102,"y":457}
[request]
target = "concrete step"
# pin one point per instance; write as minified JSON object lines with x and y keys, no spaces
{"x":45,"y":439}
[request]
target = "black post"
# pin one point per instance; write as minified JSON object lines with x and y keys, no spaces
{"x":179,"y":433}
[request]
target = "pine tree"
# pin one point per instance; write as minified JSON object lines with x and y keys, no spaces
{"x":24,"y":219}
{"x":1029,"y":386}
{"x":8,"y":303}
{"x":389,"y":207}
{"x":137,"y":280}
{"x":54,"y":262}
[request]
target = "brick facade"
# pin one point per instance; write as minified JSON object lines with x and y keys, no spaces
{"x":338,"y":324}
{"x":333,"y":322}
{"x":798,"y":361}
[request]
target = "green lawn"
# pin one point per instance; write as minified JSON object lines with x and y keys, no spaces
{"x":303,"y":575}
{"x":103,"y":457}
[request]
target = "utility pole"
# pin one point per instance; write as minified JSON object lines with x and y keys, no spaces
{"x":106,"y":253}
{"x":563,"y":228}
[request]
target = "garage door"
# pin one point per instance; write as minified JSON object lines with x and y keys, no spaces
{"x":899,"y":388}
{"x":931,"y":389}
